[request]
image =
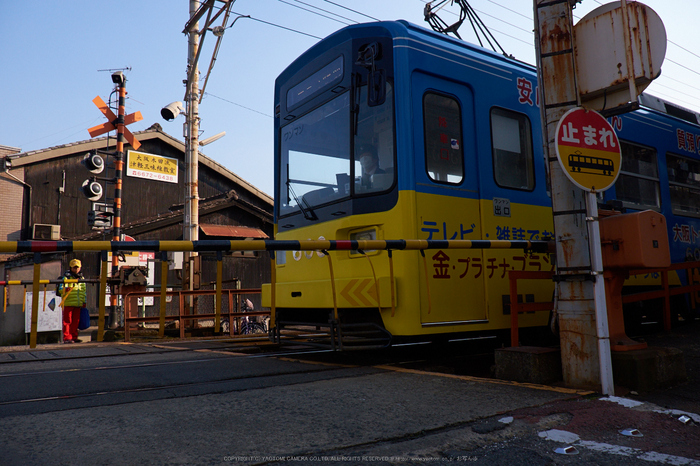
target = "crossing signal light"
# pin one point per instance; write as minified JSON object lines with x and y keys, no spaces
{"x":99,"y":219}
{"x":95,"y":165}
{"x":94,"y":162}
{"x":92,"y":190}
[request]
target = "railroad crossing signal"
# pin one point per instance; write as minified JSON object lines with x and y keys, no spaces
{"x":92,"y":189}
{"x":588,"y":149}
{"x":112,"y":123}
{"x":100,"y":219}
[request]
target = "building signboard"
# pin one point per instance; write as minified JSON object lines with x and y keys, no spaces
{"x":151,"y":167}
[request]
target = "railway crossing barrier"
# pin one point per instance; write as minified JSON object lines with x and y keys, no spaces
{"x":221,"y":246}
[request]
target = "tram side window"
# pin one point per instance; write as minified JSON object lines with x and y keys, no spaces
{"x":638,"y":183}
{"x":442,"y":125}
{"x":684,"y":183}
{"x":511,"y":142}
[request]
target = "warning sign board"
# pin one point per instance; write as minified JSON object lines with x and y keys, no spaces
{"x":588,"y":150}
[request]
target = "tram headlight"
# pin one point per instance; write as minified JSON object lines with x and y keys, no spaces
{"x":363,"y":235}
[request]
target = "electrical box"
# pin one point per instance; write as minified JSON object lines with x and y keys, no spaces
{"x":175,"y":260}
{"x":133,"y":275}
{"x":634,"y":241}
{"x":42,"y":231}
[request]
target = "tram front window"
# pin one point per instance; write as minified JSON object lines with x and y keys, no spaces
{"x":317,"y":164}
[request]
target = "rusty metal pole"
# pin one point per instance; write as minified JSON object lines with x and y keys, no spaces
{"x":556,"y":67}
{"x":120,"y":80}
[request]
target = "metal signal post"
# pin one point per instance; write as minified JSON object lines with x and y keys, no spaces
{"x":119,"y":79}
{"x":119,"y":123}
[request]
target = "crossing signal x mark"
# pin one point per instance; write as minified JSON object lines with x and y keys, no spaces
{"x":111,"y":124}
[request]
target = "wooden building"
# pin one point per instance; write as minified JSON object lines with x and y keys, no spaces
{"x":41,"y":197}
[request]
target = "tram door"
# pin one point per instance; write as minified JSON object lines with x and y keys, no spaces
{"x":451,"y":281}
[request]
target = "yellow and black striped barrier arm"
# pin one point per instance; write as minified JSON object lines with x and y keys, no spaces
{"x":267,"y":245}
{"x":38,"y":247}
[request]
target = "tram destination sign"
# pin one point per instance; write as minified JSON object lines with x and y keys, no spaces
{"x":588,"y":149}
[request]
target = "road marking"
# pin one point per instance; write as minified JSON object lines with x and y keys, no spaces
{"x":570,"y":438}
{"x":494,"y":381}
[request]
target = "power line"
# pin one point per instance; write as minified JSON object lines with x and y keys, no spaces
{"x":426,"y":1}
{"x":326,"y":11}
{"x":676,"y":100}
{"x":281,"y":27}
{"x":675,"y":90}
{"x":313,"y":12}
{"x":681,"y":82}
{"x":503,"y":21}
{"x":350,"y":9}
{"x":682,"y":66}
{"x":683,"y":48}
{"x":238,"y":105}
{"x":497,"y":19}
{"x":83,"y":126}
{"x":509,"y":9}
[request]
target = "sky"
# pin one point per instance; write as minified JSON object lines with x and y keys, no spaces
{"x":57,"y":56}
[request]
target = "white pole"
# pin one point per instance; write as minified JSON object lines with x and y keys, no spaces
{"x":601,"y":311}
{"x":191,"y":221}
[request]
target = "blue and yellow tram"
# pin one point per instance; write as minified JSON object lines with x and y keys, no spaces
{"x":390,"y":131}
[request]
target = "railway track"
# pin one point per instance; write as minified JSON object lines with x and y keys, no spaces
{"x":150,"y":372}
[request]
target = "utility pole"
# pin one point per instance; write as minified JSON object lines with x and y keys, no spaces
{"x":191,"y":221}
{"x":191,"y":132}
{"x":556,"y":67}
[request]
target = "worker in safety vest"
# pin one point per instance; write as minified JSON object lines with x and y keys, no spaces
{"x":74,"y":297}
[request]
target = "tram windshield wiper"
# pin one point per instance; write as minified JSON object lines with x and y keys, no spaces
{"x":308,"y":212}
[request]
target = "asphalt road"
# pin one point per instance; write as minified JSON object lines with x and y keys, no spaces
{"x":208,"y":403}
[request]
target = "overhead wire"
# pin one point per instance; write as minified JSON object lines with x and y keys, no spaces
{"x":281,"y":27}
{"x":681,"y":82}
{"x":529,"y":31}
{"x":682,"y":48}
{"x":326,"y":11}
{"x":682,"y":66}
{"x":82,"y":126}
{"x":676,"y":100}
{"x":676,"y":90}
{"x":238,"y":105}
{"x":339,"y":5}
{"x":494,"y":29}
{"x":510,"y":9}
{"x":667,"y":59}
{"x":350,"y":9}
{"x":313,"y":12}
{"x":278,"y":26}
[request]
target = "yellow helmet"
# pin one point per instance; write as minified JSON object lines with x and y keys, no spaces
{"x":75,"y":263}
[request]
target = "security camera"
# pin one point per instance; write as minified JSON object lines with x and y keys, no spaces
{"x":170,"y":111}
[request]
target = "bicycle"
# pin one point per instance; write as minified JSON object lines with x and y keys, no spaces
{"x":249,"y":325}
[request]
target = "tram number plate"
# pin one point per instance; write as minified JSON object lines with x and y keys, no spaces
{"x":501,"y":207}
